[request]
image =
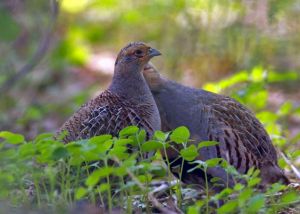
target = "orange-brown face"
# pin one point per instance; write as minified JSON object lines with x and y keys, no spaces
{"x":136,"y":52}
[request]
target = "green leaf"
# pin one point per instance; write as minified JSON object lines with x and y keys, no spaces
{"x":120,"y":171}
{"x":104,"y":187}
{"x":267,"y":117}
{"x":253,"y":181}
{"x":27,"y":150}
{"x":229,"y":207}
{"x":238,"y":187}
{"x":59,"y":153}
{"x":94,"y":178}
{"x":251,"y":171}
{"x":215,"y":179}
{"x":100,"y":139}
{"x":119,"y":151}
{"x":224,"y":193}
{"x":290,"y":197}
{"x":151,"y":145}
{"x":189,"y":153}
{"x":74,"y":148}
{"x":122,"y":142}
{"x":11,"y":27}
{"x":12,"y":137}
{"x":158,"y":171}
{"x":180,"y":135}
{"x":44,"y":136}
{"x":226,"y":83}
{"x":284,"y":76}
{"x":255,"y":203}
{"x":285,"y":109}
{"x":161,"y":136}
{"x":296,"y":153}
{"x":193,"y":210}
{"x":80,"y":193}
{"x":245,"y":195}
{"x":128,"y":131}
{"x":207,"y":144}
{"x":258,"y":74}
{"x":142,"y":136}
{"x":275,"y":188}
{"x":74,"y":6}
{"x":103,"y":147}
{"x":213,"y":162}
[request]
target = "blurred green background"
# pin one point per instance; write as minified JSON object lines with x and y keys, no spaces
{"x":202,"y":42}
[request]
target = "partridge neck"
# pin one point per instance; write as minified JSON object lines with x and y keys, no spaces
{"x":131,"y":85}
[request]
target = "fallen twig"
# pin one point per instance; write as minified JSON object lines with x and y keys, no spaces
{"x":151,"y":196}
{"x":295,"y":170}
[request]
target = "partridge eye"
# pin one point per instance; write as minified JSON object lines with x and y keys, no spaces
{"x":138,"y":52}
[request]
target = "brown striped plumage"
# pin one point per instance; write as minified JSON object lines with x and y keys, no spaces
{"x":243,"y":141}
{"x":107,"y":114}
{"x":128,"y":100}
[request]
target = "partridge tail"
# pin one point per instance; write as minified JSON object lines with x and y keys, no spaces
{"x":271,"y":173}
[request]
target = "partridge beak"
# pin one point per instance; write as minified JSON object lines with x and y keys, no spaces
{"x":153,"y":52}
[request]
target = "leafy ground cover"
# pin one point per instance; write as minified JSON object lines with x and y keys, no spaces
{"x":103,"y":175}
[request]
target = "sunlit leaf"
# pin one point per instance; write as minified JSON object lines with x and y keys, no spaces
{"x":103,"y":187}
{"x":255,"y":203}
{"x":142,"y":136}
{"x":100,"y":139}
{"x":228,"y":207}
{"x":193,"y":210}
{"x":161,"y":136}
{"x":151,"y":146}
{"x":284,"y":76}
{"x":258,"y":74}
{"x":267,"y":117}
{"x":189,"y":153}
{"x":224,"y":193}
{"x":290,"y":197}
{"x":122,"y":142}
{"x":80,"y":193}
{"x":74,"y":6}
{"x":285,"y":109}
{"x":44,"y":136}
{"x":119,"y":151}
{"x":207,"y":144}
{"x":27,"y":150}
{"x":180,"y":135}
{"x":129,"y":130}
{"x":245,"y":195}
{"x":94,"y":178}
{"x":253,"y":181}
{"x":12,"y":137}
{"x":275,"y":188}
{"x":238,"y":187}
{"x":213,"y":162}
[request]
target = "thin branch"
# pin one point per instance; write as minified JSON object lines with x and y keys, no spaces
{"x":162,"y":188}
{"x":40,"y":52}
{"x":295,"y":170}
{"x":151,"y":196}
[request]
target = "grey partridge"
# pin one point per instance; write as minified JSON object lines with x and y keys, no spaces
{"x":127,"y":101}
{"x":243,"y":141}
